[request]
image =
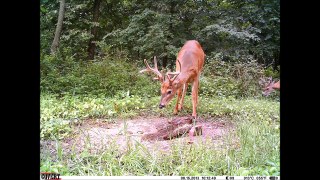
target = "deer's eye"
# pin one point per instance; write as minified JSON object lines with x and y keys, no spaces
{"x":169,"y":92}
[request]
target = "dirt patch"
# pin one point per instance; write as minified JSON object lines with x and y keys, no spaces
{"x":154,"y":133}
{"x":170,"y":129}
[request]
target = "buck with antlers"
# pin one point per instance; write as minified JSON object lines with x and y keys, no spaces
{"x":189,"y":65}
{"x":269,"y":86}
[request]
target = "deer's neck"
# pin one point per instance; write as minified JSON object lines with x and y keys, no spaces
{"x":183,"y":78}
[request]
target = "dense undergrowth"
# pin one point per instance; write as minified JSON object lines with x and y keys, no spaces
{"x":109,"y":76}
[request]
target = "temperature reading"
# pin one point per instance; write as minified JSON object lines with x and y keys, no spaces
{"x":261,"y":178}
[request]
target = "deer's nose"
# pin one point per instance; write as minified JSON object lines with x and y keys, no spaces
{"x":161,"y":106}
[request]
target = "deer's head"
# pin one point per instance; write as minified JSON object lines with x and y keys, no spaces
{"x":169,"y":86}
{"x":267,"y":85}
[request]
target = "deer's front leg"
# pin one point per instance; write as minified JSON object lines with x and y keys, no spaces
{"x":176,"y":109}
{"x":195,"y":87}
{"x":184,"y":90}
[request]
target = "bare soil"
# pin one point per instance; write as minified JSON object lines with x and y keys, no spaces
{"x":154,"y":133}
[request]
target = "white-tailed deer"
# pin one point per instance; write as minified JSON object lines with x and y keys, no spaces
{"x":269,"y":86}
{"x":189,"y":65}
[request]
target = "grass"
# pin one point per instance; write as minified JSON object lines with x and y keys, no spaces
{"x":256,"y":124}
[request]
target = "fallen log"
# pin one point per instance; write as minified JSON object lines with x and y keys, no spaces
{"x":173,"y":129}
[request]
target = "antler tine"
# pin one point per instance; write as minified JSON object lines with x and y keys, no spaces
{"x":148,"y":67}
{"x":174,"y":77}
{"x":154,"y":70}
{"x":146,"y":63}
{"x":155,"y":63}
{"x":174,"y":73}
{"x":179,"y":65}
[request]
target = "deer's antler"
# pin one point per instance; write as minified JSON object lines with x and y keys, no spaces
{"x":154,"y":70}
{"x":174,"y":73}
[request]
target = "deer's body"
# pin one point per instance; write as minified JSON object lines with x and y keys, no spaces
{"x":191,"y":57}
{"x":276,"y":85}
{"x":189,"y":65}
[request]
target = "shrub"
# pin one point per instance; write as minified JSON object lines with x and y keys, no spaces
{"x":240,"y":79}
{"x":108,"y":76}
{"x":112,"y":74}
{"x":269,"y":72}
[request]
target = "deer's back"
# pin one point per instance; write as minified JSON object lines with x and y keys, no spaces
{"x":191,"y":57}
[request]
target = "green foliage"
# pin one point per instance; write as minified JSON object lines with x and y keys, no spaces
{"x":113,"y":74}
{"x":239,"y":30}
{"x":147,"y":35}
{"x":236,"y":36}
{"x":269,"y":169}
{"x":218,"y":86}
{"x":251,"y":108}
{"x":222,"y":78}
{"x":248,"y":75}
{"x":269,"y":72}
{"x":108,"y":76}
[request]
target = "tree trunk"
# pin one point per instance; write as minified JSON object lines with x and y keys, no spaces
{"x":55,"y":42}
{"x":164,"y":61}
{"x":92,"y":44}
{"x":276,"y":61}
{"x":166,"y":57}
